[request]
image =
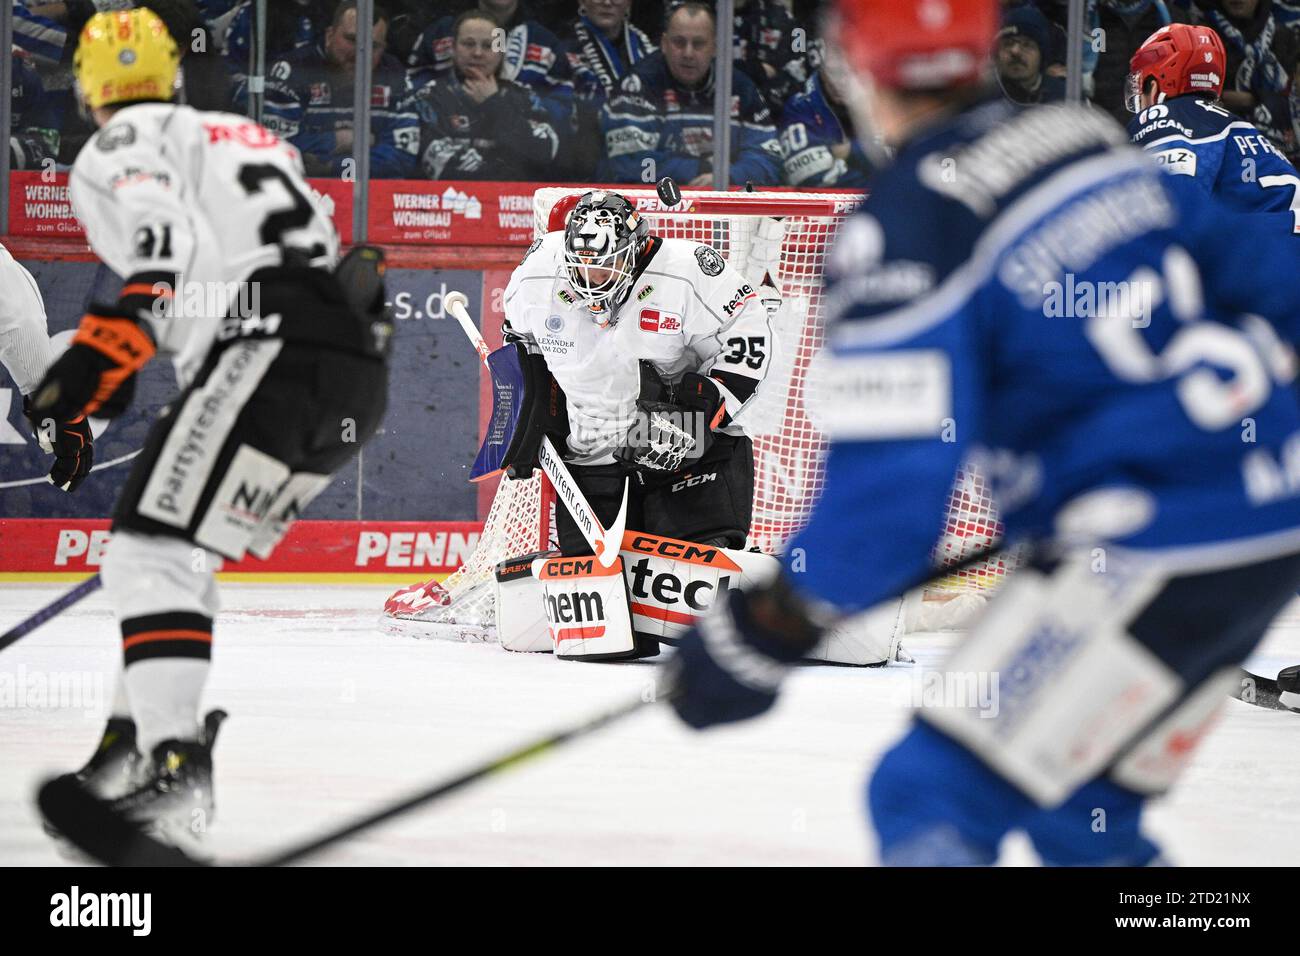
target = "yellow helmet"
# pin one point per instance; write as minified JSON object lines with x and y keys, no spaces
{"x":126,"y":55}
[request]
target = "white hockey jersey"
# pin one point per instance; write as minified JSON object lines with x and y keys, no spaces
{"x":167,"y":190}
{"x":687,"y":311}
{"x":25,"y":349}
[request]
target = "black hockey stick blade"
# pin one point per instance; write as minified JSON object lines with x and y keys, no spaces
{"x":93,"y":827}
{"x":1261,"y":692}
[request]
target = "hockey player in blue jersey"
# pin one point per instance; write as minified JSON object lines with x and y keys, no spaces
{"x":1174,"y":83}
{"x":1023,"y":286}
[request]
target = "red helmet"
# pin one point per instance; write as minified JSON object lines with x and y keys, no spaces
{"x":921,"y":45}
{"x":1181,"y":59}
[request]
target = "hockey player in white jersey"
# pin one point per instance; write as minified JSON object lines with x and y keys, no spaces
{"x":658,"y":346}
{"x":229,"y":268}
{"x":26,"y":352}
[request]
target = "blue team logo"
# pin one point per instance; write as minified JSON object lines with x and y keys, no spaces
{"x":554,"y":323}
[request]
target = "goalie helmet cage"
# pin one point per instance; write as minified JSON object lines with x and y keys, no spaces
{"x":785,"y":235}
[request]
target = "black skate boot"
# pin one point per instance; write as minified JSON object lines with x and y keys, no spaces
{"x":173,"y":801}
{"x":113,"y":769}
{"x":116,"y":764}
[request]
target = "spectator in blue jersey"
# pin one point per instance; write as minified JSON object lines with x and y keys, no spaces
{"x":34,"y":124}
{"x":309,"y":101}
{"x":476,"y":125}
{"x":772,"y":49}
{"x":1020,"y":57}
{"x":290,"y":25}
{"x":533,"y":57}
{"x":660,"y":123}
{"x":818,"y":148}
{"x":604,"y":47}
{"x":41,"y":30}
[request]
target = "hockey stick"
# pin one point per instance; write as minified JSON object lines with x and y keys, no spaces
{"x":52,"y":610}
{"x":605,"y":542}
{"x":95,"y":828}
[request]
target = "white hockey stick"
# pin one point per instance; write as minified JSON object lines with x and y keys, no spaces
{"x":605,"y":542}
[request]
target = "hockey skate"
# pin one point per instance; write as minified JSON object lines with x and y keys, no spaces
{"x":168,"y":794}
{"x":113,"y":770}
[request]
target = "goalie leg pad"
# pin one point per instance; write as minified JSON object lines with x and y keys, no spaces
{"x":521,"y":605}
{"x":587,"y":612}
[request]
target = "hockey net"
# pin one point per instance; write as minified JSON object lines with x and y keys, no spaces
{"x":788,"y":448}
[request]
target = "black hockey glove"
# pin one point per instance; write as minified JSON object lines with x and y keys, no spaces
{"x":96,"y":375}
{"x":71,"y":444}
{"x":667,"y":435}
{"x":730,"y":665}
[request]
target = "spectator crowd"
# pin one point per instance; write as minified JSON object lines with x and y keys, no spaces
{"x":600,"y":90}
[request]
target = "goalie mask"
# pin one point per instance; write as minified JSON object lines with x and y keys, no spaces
{"x":602,"y":239}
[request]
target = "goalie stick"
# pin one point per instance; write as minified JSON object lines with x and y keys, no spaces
{"x":605,"y":542}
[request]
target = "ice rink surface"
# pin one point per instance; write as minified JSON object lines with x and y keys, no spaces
{"x":329,"y":716}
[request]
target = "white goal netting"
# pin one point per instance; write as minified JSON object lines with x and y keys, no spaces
{"x":788,"y":448}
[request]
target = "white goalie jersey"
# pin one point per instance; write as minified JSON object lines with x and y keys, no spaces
{"x":687,"y":311}
{"x":170,"y":194}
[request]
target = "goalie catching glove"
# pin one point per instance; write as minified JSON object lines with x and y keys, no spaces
{"x":667,"y":434}
{"x":96,"y":375}
{"x":730,"y":665}
{"x":71,"y":443}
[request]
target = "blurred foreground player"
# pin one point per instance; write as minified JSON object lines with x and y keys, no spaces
{"x":1168,"y":538}
{"x":279,"y":392}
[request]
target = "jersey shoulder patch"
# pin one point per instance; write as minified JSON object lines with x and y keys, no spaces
{"x":711,"y":263}
{"x":115,"y":136}
{"x":1178,"y":161}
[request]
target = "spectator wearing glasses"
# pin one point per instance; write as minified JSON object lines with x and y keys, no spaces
{"x":1020,"y":57}
{"x":309,"y":101}
{"x":475,"y":124}
{"x":660,"y":123}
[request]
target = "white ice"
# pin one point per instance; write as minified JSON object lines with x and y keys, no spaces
{"x":328,"y":717}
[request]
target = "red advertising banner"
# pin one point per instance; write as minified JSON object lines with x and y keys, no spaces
{"x":395,"y":549}
{"x":456,"y":213}
{"x":39,"y":205}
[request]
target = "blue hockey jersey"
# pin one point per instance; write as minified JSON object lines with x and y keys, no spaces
{"x":307,"y":102}
{"x":1024,"y":287}
{"x":1199,"y":141}
{"x":809,"y":128}
{"x":653,"y":117}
